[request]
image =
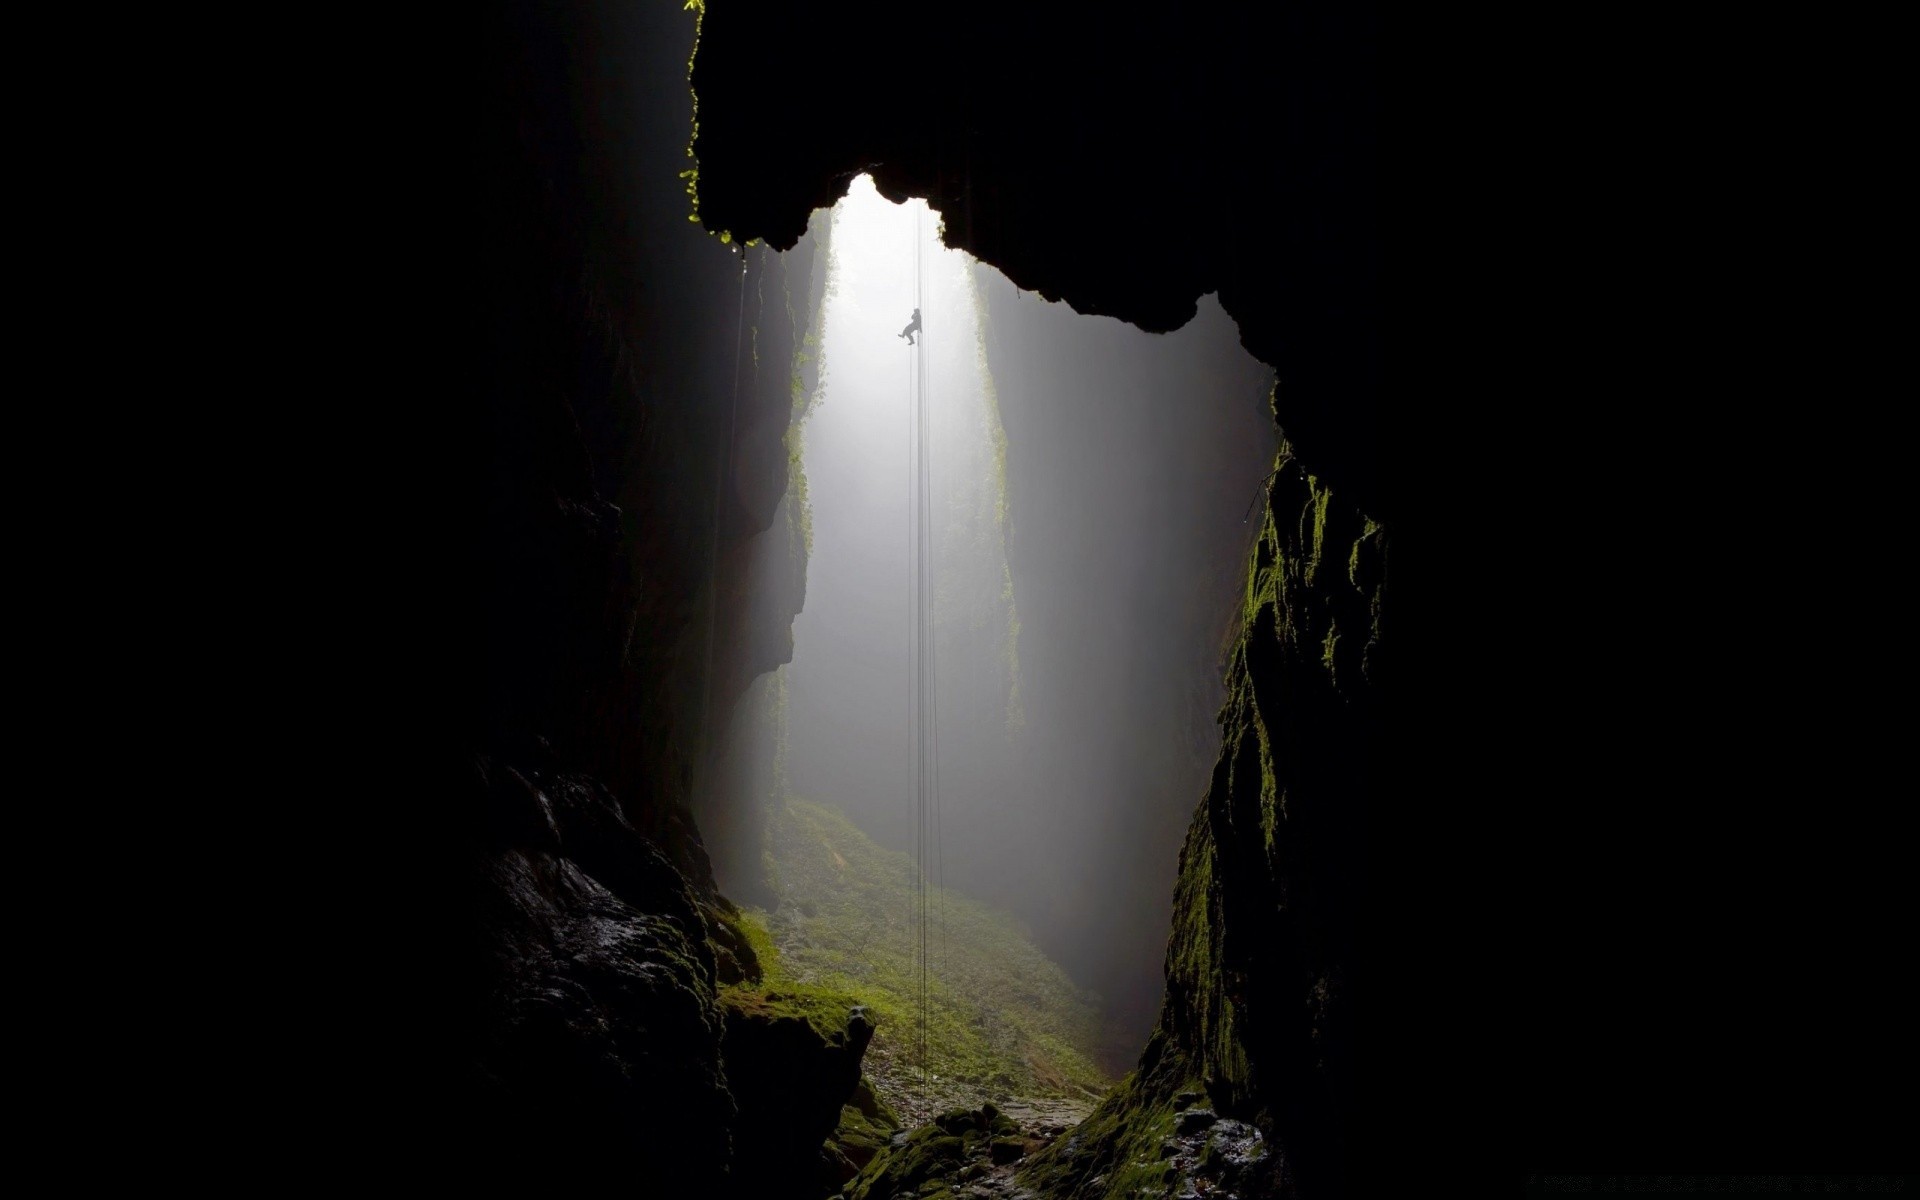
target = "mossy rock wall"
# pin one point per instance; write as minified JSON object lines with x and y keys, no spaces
{"x":1260,"y":969}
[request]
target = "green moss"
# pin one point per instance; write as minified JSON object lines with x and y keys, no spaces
{"x":736,"y":957}
{"x":799,"y":504}
{"x":755,"y":935}
{"x":822,"y":1008}
{"x":1115,"y":1152}
{"x":1273,"y":801}
{"x":777,"y":993}
{"x":1000,"y":1015}
{"x":692,"y":174}
{"x":922,"y":1165}
{"x":866,"y":1127}
{"x":1296,"y":623}
{"x":806,"y":385}
{"x":1002,"y":505}
{"x":1316,"y":546}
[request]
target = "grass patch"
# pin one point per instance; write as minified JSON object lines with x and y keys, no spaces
{"x":1001,"y":1018}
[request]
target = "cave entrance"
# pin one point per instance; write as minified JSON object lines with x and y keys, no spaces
{"x":1060,"y":499}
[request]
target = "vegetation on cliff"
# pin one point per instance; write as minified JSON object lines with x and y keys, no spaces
{"x":1002,"y":1019}
{"x":1258,"y":965}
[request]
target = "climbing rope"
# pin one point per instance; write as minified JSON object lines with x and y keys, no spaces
{"x":915,"y":726}
{"x":922,"y":667}
{"x":923,"y":678}
{"x":923,"y":647}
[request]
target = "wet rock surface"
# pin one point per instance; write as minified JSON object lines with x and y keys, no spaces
{"x":1214,"y":1157}
{"x":967,"y":1152}
{"x":621,"y":460}
{"x":598,"y":1027}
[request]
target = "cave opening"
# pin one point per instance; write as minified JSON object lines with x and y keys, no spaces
{"x":631,"y":594}
{"x":1156,"y":630}
{"x":1087,"y":488}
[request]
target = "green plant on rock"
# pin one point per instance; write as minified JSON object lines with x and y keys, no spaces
{"x":1000,"y":1016}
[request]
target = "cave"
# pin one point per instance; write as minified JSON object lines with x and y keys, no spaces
{"x":643,"y":185}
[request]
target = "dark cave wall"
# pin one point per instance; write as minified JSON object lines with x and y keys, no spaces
{"x":1132,"y":463}
{"x":764,"y":576}
{"x":762,"y":572}
{"x":1266,"y":958}
{"x":628,"y":429}
{"x":1128,"y":166}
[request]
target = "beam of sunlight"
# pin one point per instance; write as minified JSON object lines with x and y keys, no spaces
{"x":850,"y":642}
{"x":1106,"y":474}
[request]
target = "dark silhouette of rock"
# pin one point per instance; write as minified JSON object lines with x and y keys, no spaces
{"x":790,"y":1080}
{"x":1127,"y":167}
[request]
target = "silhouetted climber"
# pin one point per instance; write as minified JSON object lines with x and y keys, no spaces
{"x":912,"y":328}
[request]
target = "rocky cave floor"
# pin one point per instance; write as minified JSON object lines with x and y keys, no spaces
{"x":975,"y":1154}
{"x":918,"y":1101}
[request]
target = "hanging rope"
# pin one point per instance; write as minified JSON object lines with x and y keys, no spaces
{"x":923,"y":648}
{"x":933,"y":673}
{"x":916,"y":727}
{"x":923,"y":680}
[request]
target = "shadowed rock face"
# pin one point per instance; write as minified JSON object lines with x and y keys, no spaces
{"x":1265,"y":964}
{"x":791,"y":1082}
{"x":1127,"y":166}
{"x":627,"y":462}
{"x":596,"y":984}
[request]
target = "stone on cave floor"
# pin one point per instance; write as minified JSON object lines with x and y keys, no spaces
{"x":967,"y":1153}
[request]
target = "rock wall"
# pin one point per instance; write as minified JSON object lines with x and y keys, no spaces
{"x":1126,"y":166}
{"x":792,"y":1081}
{"x":596,"y":1030}
{"x":1263,"y":960}
{"x":628,"y":423}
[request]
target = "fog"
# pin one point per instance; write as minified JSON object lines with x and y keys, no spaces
{"x":1086,"y":546}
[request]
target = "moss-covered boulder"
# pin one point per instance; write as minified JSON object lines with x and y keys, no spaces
{"x":959,"y":1147}
{"x":866,"y":1128}
{"x":793,"y":1062}
{"x":734,"y":957}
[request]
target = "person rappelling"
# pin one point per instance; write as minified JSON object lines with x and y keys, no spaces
{"x":912,"y":328}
